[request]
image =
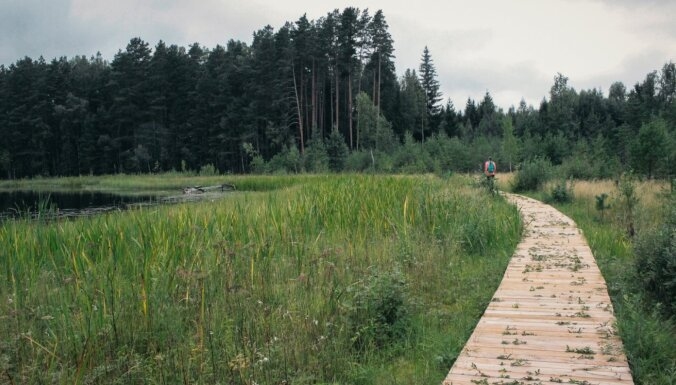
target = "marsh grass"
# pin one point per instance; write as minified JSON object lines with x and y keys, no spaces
{"x":259,"y":287}
{"x":171,"y":182}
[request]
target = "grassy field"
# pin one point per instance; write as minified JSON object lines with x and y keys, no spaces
{"x":648,"y":336}
{"x":299,"y":280}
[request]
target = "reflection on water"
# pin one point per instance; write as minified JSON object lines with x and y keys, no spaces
{"x":63,"y":204}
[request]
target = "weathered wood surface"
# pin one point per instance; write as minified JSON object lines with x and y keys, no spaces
{"x":551,"y":320}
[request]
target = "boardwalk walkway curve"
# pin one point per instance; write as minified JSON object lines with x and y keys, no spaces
{"x":551,"y":319}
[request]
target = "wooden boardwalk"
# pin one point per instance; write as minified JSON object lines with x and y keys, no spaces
{"x":551,"y":320}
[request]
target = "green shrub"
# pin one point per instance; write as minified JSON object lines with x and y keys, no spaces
{"x":648,"y":342}
{"x":627,"y":202}
{"x":578,"y":167}
{"x":208,"y":170}
{"x":601,"y":204}
{"x":562,"y":192}
{"x":288,"y":160}
{"x":532,"y":174}
{"x":369,"y":160}
{"x":656,"y":263}
{"x":381,"y":312}
{"x":337,"y":151}
{"x":315,"y":158}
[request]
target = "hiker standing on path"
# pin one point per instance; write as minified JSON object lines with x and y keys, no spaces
{"x":489,"y":168}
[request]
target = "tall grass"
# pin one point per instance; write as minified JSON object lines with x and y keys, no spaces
{"x":266,"y":287}
{"x":171,"y":182}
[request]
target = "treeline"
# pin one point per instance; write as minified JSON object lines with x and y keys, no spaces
{"x":315,"y":95}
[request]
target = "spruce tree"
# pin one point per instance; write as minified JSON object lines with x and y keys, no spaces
{"x":430,"y":85}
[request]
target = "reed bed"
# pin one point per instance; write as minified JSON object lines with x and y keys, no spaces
{"x":318,"y":279}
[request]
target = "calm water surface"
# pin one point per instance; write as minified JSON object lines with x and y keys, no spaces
{"x":24,"y":203}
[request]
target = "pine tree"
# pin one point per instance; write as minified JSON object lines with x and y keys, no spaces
{"x":430,"y":85}
{"x":413,"y":108}
{"x":379,"y":77}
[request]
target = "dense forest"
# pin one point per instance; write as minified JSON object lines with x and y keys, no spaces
{"x":315,"y":95}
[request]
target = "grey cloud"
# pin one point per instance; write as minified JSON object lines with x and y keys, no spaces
{"x":44,"y":28}
{"x":507,"y":85}
{"x":632,"y":70}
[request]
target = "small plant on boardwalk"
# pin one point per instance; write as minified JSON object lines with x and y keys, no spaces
{"x":584,"y":350}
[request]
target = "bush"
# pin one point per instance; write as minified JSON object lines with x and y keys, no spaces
{"x":208,"y":170}
{"x":288,"y":160}
{"x":368,"y":161}
{"x":627,"y":201}
{"x":337,"y":151}
{"x":532,"y":174}
{"x":381,"y":312}
{"x":656,"y":263}
{"x":578,"y":167}
{"x":315,"y":158}
{"x":562,"y":192}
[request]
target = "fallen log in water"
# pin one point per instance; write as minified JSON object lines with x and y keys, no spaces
{"x":202,"y":189}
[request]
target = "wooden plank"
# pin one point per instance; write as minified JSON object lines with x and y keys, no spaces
{"x":551,"y":319}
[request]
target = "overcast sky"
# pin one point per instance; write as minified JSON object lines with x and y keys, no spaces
{"x":510,"y":48}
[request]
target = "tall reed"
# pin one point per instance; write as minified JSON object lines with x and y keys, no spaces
{"x":259,"y":287}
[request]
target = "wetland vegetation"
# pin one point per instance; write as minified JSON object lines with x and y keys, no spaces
{"x":312,"y":279}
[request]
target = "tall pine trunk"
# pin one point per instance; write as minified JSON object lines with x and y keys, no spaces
{"x":298,"y":108}
{"x":337,"y":124}
{"x":349,"y":106}
{"x":378,"y":109}
{"x":314,"y":95}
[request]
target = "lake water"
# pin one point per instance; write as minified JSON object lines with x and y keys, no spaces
{"x":64,"y":204}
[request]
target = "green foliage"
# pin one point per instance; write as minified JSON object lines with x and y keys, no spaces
{"x":288,"y":160}
{"x":650,"y":148}
{"x":627,"y":201}
{"x":562,"y":192}
{"x":429,"y":83}
{"x":412,"y":158}
{"x":510,"y":144}
{"x":208,"y":170}
{"x":656,"y":262}
{"x":374,"y":131}
{"x":260,"y":286}
{"x":380,"y":314}
{"x":315,"y":157}
{"x":337,"y":151}
{"x":648,"y":341}
{"x":601,"y":205}
{"x":488,"y":185}
{"x":369,"y":161}
{"x":532,"y":174}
